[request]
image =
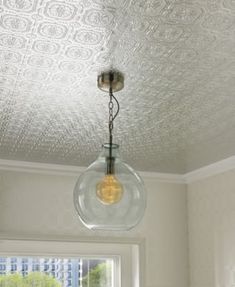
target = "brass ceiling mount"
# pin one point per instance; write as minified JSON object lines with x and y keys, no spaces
{"x":104,"y":82}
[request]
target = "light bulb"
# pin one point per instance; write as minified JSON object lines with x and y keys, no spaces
{"x":109,"y":201}
{"x":109,"y":190}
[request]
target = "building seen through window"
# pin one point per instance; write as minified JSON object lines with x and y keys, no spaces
{"x":56,"y":272}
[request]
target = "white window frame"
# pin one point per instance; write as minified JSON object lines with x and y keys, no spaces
{"x":128,"y":254}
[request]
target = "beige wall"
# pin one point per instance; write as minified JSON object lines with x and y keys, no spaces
{"x":211,"y":221}
{"x":41,"y":205}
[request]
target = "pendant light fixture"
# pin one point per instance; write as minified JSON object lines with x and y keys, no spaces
{"x":110,"y":195}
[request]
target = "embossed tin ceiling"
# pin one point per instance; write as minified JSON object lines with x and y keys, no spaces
{"x":177,"y":108}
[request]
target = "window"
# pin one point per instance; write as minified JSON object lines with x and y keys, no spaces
{"x":13,"y":260}
{"x":75,"y":264}
{"x":77,"y":272}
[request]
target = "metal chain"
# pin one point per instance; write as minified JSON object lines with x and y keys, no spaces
{"x":110,"y":164}
{"x":110,"y":111}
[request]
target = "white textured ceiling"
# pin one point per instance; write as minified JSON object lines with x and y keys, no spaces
{"x":178,"y":57}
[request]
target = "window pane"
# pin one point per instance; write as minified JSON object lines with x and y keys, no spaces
{"x":56,"y":272}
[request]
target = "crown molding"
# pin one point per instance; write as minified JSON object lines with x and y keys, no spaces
{"x":67,"y":170}
{"x":210,"y":170}
{"x":163,"y":177}
{"x":42,"y":168}
{"x":74,"y":171}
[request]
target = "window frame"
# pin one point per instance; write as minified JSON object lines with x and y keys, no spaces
{"x":127,"y":253}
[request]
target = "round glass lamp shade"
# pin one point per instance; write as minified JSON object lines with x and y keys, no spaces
{"x":109,"y":200}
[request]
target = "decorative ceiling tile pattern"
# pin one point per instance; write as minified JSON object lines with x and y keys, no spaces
{"x":178,"y":57}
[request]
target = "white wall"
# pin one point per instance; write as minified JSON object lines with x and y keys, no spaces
{"x":41,"y":205}
{"x":211,"y":212}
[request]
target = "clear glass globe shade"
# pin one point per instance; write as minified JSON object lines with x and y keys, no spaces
{"x":109,"y":201}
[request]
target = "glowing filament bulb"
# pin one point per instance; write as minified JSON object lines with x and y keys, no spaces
{"x":109,"y":190}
